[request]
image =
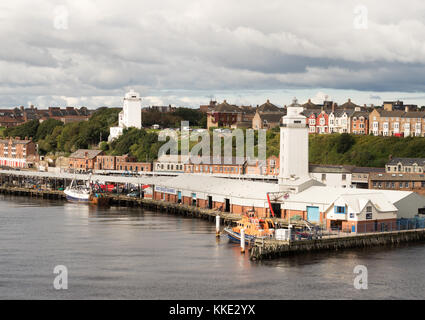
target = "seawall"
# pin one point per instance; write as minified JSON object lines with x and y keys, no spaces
{"x":270,"y":249}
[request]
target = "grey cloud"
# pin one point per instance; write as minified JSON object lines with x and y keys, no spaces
{"x":206,"y":46}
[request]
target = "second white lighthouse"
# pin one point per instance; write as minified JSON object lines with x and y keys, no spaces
{"x":130,"y":116}
{"x":132,"y":111}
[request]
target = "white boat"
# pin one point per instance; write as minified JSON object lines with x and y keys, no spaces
{"x":78,"y":193}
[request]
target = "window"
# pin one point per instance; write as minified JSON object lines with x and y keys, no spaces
{"x":344,"y":177}
{"x":351,"y":215}
{"x":340,"y":210}
{"x":407,"y":184}
{"x":323,"y":176}
{"x":369,"y":212}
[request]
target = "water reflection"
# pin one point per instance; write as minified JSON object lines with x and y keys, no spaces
{"x":133,"y":253}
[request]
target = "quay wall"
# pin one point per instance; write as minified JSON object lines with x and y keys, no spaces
{"x":146,"y":203}
{"x":270,"y":249}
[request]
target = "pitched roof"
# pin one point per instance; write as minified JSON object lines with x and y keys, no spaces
{"x":397,"y":176}
{"x":81,"y":153}
{"x":349,"y":105}
{"x":272,"y":117}
{"x":413,"y":114}
{"x":367,"y":170}
{"x":358,"y":202}
{"x":361,"y":114}
{"x":407,"y":161}
{"x":394,"y":113}
{"x":15,"y":141}
{"x":268,"y":107}
{"x":225,"y":107}
{"x":309,"y":105}
{"x":323,"y":168}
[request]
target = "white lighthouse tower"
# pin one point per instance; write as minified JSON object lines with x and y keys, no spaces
{"x":294,"y":176}
{"x":130,"y":116}
{"x":132,"y":110}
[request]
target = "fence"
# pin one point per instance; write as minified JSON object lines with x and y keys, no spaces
{"x":361,"y":228}
{"x":376,"y":226}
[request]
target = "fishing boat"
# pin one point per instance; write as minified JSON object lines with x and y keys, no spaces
{"x":255,"y":228}
{"x":77,"y":193}
{"x":85,"y":194}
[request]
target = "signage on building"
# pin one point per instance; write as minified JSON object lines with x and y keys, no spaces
{"x":165,"y":190}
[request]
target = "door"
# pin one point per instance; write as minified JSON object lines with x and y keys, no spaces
{"x":194,"y":199}
{"x":210,"y":202}
{"x":353,"y":229}
{"x":227,"y":205}
{"x":276,"y":209}
{"x":313,"y":214}
{"x":179,"y":197}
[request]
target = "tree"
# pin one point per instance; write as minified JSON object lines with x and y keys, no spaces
{"x":46,"y":127}
{"x":344,"y":143}
{"x":28,"y":129}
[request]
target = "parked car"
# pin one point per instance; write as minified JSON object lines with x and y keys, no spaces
{"x":134,"y":194}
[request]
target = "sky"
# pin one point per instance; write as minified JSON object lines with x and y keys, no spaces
{"x":184,"y":53}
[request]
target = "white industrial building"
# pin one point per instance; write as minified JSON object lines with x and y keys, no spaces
{"x":130,"y":116}
{"x":297,"y":193}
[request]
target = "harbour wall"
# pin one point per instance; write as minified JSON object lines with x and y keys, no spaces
{"x":269,"y":249}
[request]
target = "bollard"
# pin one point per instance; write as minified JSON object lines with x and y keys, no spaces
{"x":242,"y":240}
{"x":217,"y":226}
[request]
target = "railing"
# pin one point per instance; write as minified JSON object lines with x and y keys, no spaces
{"x":361,"y":228}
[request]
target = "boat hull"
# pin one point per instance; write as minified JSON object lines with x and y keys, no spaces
{"x":236,"y":237}
{"x":76,"y":197}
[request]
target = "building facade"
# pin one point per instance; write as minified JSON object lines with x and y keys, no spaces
{"x":230,"y":116}
{"x":397,"y":123}
{"x":83,"y":159}
{"x":17,"y":153}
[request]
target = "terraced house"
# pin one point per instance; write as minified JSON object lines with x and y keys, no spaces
{"x":397,"y":123}
{"x":267,"y":116}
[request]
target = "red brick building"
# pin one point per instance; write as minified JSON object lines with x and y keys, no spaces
{"x":121,"y":163}
{"x":360,"y":122}
{"x":18,"y":153}
{"x":84,"y":159}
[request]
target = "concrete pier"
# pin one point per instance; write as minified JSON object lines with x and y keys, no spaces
{"x":269,"y":249}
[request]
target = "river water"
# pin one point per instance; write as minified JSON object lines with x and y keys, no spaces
{"x":129,"y":253}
